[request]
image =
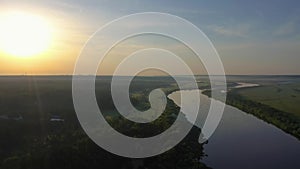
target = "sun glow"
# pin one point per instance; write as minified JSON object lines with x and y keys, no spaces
{"x":24,"y":35}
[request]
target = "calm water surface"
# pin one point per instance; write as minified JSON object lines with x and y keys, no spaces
{"x":243,"y":141}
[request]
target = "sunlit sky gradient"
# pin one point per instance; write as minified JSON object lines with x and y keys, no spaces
{"x":252,"y":37}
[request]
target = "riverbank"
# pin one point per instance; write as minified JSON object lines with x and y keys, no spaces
{"x":249,"y":141}
{"x":283,"y":120}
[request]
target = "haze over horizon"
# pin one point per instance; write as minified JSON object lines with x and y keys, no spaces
{"x":251,"y":37}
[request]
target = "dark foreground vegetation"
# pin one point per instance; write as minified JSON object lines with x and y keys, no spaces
{"x":30,"y":139}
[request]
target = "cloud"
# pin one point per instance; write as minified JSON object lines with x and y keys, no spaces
{"x":239,"y":30}
{"x":286,"y":29}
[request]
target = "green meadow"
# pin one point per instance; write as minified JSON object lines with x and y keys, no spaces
{"x":284,"y":97}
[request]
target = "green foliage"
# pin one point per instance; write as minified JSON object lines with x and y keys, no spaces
{"x":284,"y":97}
{"x":37,"y":143}
{"x":287,"y":122}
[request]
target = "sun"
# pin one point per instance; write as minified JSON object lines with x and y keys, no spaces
{"x":23,"y":34}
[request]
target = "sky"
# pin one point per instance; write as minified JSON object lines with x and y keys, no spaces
{"x":252,"y":37}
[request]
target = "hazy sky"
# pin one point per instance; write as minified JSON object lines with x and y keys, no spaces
{"x":252,"y":37}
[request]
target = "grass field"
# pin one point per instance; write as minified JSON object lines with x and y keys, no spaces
{"x":284,"y":97}
{"x":275,"y":101}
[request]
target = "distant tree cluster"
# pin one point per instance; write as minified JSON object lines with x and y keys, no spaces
{"x":283,"y":120}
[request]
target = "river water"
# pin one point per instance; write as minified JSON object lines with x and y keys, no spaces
{"x":243,"y":141}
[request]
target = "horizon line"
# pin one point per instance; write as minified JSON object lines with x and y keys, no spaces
{"x":6,"y":75}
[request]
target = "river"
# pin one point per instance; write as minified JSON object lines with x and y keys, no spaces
{"x":243,"y":141}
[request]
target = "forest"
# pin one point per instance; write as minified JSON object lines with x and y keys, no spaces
{"x":34,"y":141}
